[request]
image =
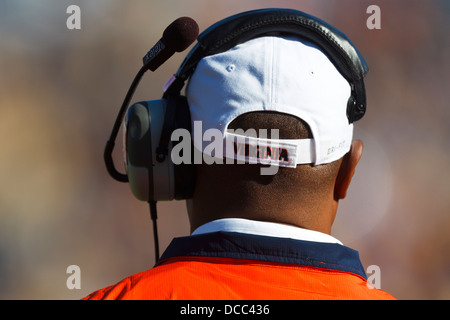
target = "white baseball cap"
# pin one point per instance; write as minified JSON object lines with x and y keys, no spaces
{"x":274,"y":73}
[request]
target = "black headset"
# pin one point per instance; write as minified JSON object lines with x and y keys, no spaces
{"x":149,"y":124}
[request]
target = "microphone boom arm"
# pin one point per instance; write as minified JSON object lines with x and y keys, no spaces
{"x":107,"y":155}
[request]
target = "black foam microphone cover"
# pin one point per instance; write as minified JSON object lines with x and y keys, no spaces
{"x":179,"y":35}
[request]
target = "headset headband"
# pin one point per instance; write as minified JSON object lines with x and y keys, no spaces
{"x":239,"y":28}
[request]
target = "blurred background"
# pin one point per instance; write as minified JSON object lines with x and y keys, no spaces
{"x":60,"y":91}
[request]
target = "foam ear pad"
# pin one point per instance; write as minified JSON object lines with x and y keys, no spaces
{"x":149,"y":179}
{"x":136,"y":134}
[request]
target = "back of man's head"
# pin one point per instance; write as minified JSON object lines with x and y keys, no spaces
{"x":280,"y":83}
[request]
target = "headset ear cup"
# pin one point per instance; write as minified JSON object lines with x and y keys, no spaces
{"x":150,"y":180}
{"x":184,"y":173}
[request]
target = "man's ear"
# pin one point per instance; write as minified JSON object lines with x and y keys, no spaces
{"x":347,"y":169}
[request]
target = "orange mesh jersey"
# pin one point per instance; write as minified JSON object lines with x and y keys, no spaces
{"x":229,"y":266}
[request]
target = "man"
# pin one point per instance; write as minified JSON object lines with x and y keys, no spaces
{"x":256,"y":235}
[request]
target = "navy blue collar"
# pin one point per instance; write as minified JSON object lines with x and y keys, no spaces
{"x":271,"y":249}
